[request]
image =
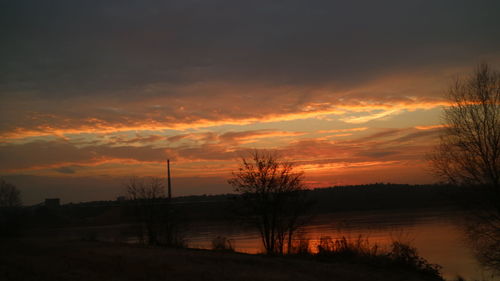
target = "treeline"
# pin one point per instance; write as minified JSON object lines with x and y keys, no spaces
{"x":378,"y":196}
{"x":384,"y":196}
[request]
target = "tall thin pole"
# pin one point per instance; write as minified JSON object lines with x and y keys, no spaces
{"x":168,"y":178}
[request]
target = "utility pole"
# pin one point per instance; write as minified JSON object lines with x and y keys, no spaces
{"x":168,"y":180}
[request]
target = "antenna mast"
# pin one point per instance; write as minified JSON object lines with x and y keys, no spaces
{"x":168,"y":180}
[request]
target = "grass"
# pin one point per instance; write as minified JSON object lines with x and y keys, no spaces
{"x":54,"y":260}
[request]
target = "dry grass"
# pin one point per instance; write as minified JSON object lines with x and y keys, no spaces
{"x":54,"y":260}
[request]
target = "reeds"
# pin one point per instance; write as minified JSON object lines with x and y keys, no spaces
{"x":347,"y":247}
{"x":361,"y":250}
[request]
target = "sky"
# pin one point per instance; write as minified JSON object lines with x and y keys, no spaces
{"x":94,"y":92}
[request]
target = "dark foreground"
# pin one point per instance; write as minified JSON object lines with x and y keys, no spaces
{"x":52,"y":260}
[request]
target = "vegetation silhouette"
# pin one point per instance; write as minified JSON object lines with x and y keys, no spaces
{"x":11,"y":212}
{"x":272,"y":198}
{"x":159,"y":222}
{"x":359,"y":249}
{"x":146,"y":207}
{"x":221,"y":243}
{"x":10,"y":196}
{"x":47,"y":260}
{"x":469,"y":156}
{"x":469,"y":151}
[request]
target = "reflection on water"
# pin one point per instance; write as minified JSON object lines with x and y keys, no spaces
{"x":437,"y":236}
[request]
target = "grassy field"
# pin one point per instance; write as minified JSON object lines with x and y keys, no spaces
{"x":53,"y":260}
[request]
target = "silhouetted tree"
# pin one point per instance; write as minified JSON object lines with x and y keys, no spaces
{"x":10,"y":213}
{"x":154,"y":211}
{"x":272,"y":198}
{"x":469,"y":154}
{"x":10,"y":196}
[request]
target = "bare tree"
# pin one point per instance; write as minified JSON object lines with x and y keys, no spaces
{"x":10,"y":196}
{"x":145,"y":189}
{"x":10,"y":211}
{"x":272,"y":198}
{"x":469,"y":154}
{"x":153,"y":211}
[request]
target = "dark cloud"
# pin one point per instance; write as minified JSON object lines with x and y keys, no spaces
{"x":379,"y":154}
{"x":384,"y":133}
{"x":419,"y":135}
{"x":177,"y":138}
{"x":138,"y":139}
{"x":64,"y":48}
{"x":46,"y":153}
{"x":113,"y":63}
{"x":65,"y":170}
{"x":232,"y":136}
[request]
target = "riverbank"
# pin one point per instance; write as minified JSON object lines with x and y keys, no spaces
{"x":55,"y":259}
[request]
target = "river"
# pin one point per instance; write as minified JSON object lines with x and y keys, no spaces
{"x":437,"y":234}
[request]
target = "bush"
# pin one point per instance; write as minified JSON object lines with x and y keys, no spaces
{"x":406,"y":255}
{"x":300,"y":246}
{"x":221,"y":243}
{"x":400,"y":255}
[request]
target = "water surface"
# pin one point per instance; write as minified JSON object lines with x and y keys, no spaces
{"x":438,"y":236}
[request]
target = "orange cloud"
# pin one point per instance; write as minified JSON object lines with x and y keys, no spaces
{"x":99,"y":126}
{"x":340,"y":135}
{"x":213,"y":154}
{"x":91,"y":163}
{"x":431,"y":127}
{"x":315,"y":168}
{"x":370,"y":117}
{"x":258,"y":134}
{"x":343,"y":130}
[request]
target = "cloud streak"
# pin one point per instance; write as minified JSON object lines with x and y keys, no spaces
{"x":406,"y":144}
{"x":59,"y":125}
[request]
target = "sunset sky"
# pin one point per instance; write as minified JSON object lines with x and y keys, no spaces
{"x":93,"y":92}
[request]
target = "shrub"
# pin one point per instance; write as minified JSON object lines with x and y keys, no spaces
{"x":300,"y":246}
{"x":221,"y":243}
{"x":401,"y":255}
{"x":406,"y":255}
